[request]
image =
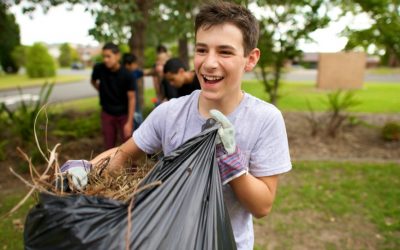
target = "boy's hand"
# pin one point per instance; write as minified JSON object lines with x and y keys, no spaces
{"x":78,"y":169}
{"x":231,"y":162}
{"x":226,"y":132}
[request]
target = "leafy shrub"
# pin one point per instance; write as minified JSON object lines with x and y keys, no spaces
{"x":22,"y":118}
{"x":20,"y":54}
{"x":338,"y":102}
{"x":68,"y":55}
{"x":39,"y":62}
{"x":391,"y":131}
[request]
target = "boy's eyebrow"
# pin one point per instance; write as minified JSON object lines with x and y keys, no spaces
{"x":219,"y":47}
{"x":201,"y":44}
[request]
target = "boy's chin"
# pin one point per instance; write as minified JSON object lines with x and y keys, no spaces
{"x":210,"y":95}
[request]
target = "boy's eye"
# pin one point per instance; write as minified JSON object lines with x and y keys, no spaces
{"x":200,"y":50}
{"x":226,"y":52}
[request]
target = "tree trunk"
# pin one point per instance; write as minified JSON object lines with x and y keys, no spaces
{"x":183,"y":50}
{"x":137,"y":40}
{"x":393,"y":60}
{"x":277,"y":76}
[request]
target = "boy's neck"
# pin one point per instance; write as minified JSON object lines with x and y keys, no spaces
{"x":226,"y":105}
{"x":115,"y":67}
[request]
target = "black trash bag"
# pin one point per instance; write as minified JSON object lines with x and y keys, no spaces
{"x":185,"y":212}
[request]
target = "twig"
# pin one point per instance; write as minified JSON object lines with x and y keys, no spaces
{"x":34,"y":130}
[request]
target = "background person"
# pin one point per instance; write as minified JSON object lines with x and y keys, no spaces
{"x":178,"y":76}
{"x":164,"y":90}
{"x":131,"y":64}
{"x":116,"y":87}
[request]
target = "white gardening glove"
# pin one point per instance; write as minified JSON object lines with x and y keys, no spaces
{"x":226,"y":132}
{"x":78,"y":169}
{"x":231,"y":163}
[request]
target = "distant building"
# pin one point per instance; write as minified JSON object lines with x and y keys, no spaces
{"x":85,"y":52}
{"x":310,"y":60}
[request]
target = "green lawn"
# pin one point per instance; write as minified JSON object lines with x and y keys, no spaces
{"x":335,"y":206}
{"x":10,"y":234}
{"x":354,"y":204}
{"x":374,"y":97}
{"x":383,"y":71}
{"x":93,"y":103}
{"x":13,"y":81}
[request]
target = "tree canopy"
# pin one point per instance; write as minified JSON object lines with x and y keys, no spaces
{"x":283,"y":24}
{"x":383,"y":33}
{"x":9,"y":39}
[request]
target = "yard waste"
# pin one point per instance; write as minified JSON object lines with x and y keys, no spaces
{"x":177,"y":205}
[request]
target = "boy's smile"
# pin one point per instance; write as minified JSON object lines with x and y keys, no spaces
{"x":220,"y":63}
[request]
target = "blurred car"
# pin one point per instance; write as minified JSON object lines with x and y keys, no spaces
{"x":77,"y":65}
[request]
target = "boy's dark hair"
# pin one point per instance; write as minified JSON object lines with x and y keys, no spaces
{"x":128,"y":58}
{"x":161,"y":49}
{"x":111,"y":46}
{"x":173,"y":65}
{"x":225,"y":12}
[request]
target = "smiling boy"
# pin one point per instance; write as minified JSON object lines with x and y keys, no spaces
{"x":253,"y":135}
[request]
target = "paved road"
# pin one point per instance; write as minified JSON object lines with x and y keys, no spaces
{"x":82,"y":89}
{"x":60,"y":93}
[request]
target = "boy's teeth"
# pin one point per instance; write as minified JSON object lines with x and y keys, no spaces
{"x":213,"y":78}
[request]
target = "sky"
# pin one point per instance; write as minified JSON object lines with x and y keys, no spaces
{"x":60,"y":25}
{"x":57,"y":26}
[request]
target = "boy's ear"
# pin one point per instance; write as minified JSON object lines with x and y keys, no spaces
{"x":252,"y":59}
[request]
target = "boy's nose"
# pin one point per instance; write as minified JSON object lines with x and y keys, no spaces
{"x":210,"y":62}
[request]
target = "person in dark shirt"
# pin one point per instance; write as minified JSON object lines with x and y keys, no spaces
{"x":130,"y":62}
{"x":179,"y":77}
{"x":116,"y":87}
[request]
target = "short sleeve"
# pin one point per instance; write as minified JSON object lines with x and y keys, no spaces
{"x":96,"y":72}
{"x":139,"y":74}
{"x":270,"y":155}
{"x":148,"y":137}
{"x":131,"y":82}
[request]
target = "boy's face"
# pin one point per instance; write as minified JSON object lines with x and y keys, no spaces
{"x":176,"y":79}
{"x":219,"y":61}
{"x":110,"y":59}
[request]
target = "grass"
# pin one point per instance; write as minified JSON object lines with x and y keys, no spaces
{"x":344,"y":200}
{"x":374,"y":97}
{"x":13,"y":81}
{"x":355,"y":204}
{"x":11,"y":237}
{"x":92,"y":103}
{"x":383,"y":71}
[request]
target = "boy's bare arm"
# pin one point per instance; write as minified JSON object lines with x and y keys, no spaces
{"x":95,"y":84}
{"x":255,"y":193}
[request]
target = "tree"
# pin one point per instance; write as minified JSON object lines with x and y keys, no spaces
{"x":68,"y":55}
{"x":384,"y":33}
{"x":178,"y":17}
{"x":19,"y":55}
{"x":9,"y":39}
{"x":283,"y":25}
{"x":39,"y":62}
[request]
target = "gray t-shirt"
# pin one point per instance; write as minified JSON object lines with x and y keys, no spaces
{"x":260,"y":134}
